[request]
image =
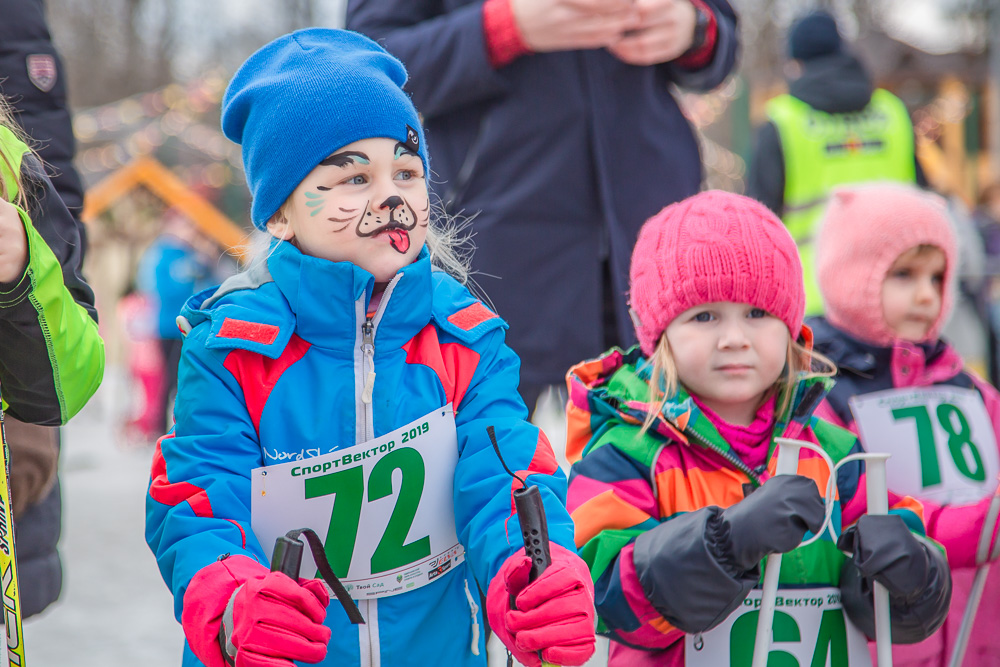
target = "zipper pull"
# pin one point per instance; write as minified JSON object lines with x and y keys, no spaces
{"x":368,"y":349}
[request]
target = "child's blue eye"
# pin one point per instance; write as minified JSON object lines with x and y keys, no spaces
{"x":756,"y":313}
{"x":703,"y":317}
{"x":407,"y":175}
{"x":356,"y":180}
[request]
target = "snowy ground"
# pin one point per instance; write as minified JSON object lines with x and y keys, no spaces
{"x":115,"y":609}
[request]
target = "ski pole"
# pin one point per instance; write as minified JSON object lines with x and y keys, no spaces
{"x":979,"y":582}
{"x":878,"y":504}
{"x":534,"y":526}
{"x":787,"y":463}
{"x":8,"y":564}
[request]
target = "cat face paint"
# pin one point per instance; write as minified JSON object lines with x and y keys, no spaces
{"x":367,"y":204}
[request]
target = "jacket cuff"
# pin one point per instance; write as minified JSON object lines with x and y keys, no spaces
{"x":702,"y":55}
{"x":205,"y":602}
{"x":686,"y":572}
{"x":504,"y":41}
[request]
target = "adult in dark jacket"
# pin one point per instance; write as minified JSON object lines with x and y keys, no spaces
{"x":40,"y":391}
{"x":31,"y":77}
{"x":556,"y":127}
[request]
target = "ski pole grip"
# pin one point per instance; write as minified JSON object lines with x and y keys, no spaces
{"x":287,"y":557}
{"x":534,"y":529}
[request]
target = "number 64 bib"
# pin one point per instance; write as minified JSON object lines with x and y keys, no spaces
{"x":941,"y":439}
{"x":383,"y":509}
{"x":810,"y":630}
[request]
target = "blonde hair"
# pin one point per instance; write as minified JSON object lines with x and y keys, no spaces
{"x":9,"y":173}
{"x":800,"y":363}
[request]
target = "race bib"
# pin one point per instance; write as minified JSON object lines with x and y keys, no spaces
{"x":383,"y":509}
{"x":810,"y":630}
{"x":941,"y":440}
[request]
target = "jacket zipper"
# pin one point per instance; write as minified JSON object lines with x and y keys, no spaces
{"x":369,"y":650}
{"x":368,"y":368}
{"x":740,"y":465}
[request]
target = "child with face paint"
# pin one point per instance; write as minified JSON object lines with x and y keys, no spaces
{"x":886,"y":266}
{"x":344,"y":384}
{"x":675,"y":500}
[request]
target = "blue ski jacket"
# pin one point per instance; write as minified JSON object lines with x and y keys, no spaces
{"x":274,"y":369}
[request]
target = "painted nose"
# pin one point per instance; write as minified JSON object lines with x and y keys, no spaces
{"x":392,"y":203}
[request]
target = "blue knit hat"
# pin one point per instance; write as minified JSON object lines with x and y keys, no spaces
{"x":813,"y":35}
{"x":306,"y":94}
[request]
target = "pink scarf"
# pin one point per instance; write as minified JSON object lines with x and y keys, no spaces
{"x":751,"y":442}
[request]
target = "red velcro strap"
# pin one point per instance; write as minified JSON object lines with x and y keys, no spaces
{"x":252,"y":331}
{"x":471,"y":316}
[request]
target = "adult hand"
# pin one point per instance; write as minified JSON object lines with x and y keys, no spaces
{"x":13,"y":243}
{"x":664,"y":32}
{"x":566,"y":25}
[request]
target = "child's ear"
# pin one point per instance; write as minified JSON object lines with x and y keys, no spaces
{"x":279,"y":228}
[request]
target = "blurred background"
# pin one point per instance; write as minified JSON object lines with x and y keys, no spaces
{"x":145,"y":79}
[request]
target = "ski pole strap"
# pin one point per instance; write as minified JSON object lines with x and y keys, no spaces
{"x":323,"y":565}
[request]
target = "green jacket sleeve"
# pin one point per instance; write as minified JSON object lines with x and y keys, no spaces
{"x":51,"y":356}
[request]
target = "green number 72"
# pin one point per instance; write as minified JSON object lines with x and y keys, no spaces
{"x":348,"y":487}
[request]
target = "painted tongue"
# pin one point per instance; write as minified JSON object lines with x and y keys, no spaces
{"x":399,"y":239}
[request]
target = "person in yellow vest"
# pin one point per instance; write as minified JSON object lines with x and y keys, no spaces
{"x":832,"y":128}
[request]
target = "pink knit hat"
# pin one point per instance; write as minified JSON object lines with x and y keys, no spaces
{"x":866,"y":228}
{"x":714,"y":246}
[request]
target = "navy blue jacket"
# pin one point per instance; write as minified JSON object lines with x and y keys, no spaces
{"x":33,"y":80}
{"x":560,"y":156}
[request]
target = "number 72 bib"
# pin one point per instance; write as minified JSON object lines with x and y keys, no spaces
{"x":941,"y":439}
{"x":384,"y":508}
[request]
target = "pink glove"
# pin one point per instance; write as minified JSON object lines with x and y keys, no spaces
{"x":274,"y":620}
{"x":554,"y":615}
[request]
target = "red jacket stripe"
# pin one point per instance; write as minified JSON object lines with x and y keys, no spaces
{"x":252,"y":331}
{"x":454,"y":363}
{"x":162,"y":490}
{"x":257,"y":374}
{"x":471,"y":316}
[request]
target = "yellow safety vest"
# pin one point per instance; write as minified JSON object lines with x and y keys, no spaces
{"x":822,"y":150}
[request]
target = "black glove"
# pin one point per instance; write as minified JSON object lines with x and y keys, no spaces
{"x":914,"y":572}
{"x":773,"y":519}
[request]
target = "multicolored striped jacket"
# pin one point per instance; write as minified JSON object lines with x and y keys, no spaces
{"x":624,"y":482}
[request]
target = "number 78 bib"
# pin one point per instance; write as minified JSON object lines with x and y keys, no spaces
{"x":383,"y":509}
{"x":941,"y":439}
